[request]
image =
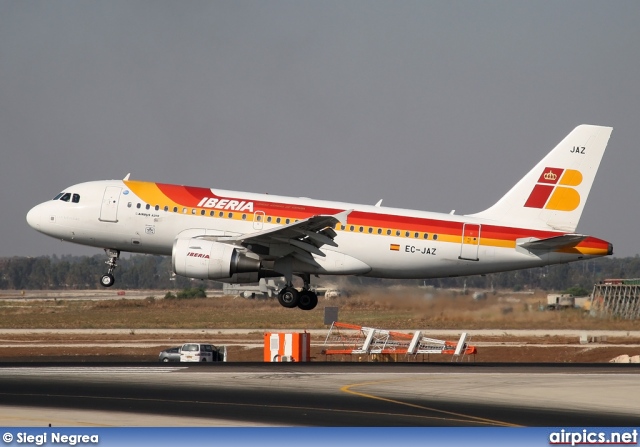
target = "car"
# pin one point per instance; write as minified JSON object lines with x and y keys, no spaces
{"x":200,"y":352}
{"x":170,"y":355}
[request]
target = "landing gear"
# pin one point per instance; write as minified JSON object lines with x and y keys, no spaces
{"x":288,"y":297}
{"x":108,"y":280}
{"x":305,"y":299}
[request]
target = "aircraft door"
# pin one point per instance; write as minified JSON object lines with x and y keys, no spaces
{"x":110,"y":200}
{"x":470,"y":242}
{"x":258,"y":219}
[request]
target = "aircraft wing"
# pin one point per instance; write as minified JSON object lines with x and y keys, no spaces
{"x":300,"y":239}
{"x":554,"y":243}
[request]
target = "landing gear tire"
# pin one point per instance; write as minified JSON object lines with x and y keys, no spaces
{"x":288,"y":297}
{"x":307,"y":300}
{"x":107,"y":280}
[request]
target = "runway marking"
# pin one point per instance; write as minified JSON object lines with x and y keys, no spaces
{"x":347,"y":389}
{"x":234,"y":404}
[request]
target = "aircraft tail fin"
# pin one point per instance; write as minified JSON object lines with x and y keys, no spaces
{"x":553,"y":194}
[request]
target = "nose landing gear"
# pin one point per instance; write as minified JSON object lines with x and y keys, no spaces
{"x":108,"y":280}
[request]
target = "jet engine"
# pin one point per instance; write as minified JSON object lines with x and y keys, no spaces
{"x":204,"y":259}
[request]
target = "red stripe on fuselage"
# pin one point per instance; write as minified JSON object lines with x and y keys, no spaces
{"x":184,"y":195}
{"x":190,"y":196}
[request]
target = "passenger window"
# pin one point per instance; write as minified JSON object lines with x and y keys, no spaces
{"x":157,"y":207}
{"x":202,"y":212}
{"x":66,"y":197}
{"x":388,"y":232}
{"x":379,"y":230}
{"x":220,"y":214}
{"x":351,"y":228}
{"x":426,"y":235}
{"x":406,"y":234}
{"x":148,"y":206}
{"x":166,"y":208}
{"x":397,"y":232}
{"x":416,"y":235}
{"x":244,"y":217}
{"x":76,"y":198}
{"x":435,"y":237}
{"x":212,"y":213}
{"x":138,"y":206}
{"x":268,"y":218}
{"x":230,"y":215}
{"x":175,"y":209}
{"x":129,"y":205}
{"x":278,"y":220}
{"x":184,"y":211}
{"x":361,"y":229}
{"x":370,"y":230}
{"x":287,"y":221}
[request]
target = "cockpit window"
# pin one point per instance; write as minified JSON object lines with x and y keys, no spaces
{"x":76,"y":198}
{"x":58,"y":196}
{"x":66,"y":197}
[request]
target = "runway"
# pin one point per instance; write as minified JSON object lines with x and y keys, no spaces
{"x":319,"y":394}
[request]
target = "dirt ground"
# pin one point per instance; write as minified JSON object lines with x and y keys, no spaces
{"x":51,"y":347}
{"x":93,"y":318}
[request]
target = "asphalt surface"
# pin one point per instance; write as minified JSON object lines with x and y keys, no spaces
{"x":320,"y":394}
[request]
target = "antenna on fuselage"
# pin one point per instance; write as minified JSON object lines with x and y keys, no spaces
{"x":126,"y":177}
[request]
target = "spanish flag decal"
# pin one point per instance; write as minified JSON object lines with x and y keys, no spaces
{"x":394,"y":247}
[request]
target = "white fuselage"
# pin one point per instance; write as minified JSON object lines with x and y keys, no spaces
{"x":376,"y":241}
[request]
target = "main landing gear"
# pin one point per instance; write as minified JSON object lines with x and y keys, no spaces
{"x":108,"y":279}
{"x":305,"y":299}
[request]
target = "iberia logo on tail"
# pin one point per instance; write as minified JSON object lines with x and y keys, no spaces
{"x":555,"y":190}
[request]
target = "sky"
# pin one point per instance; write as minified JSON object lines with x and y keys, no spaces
{"x":429,"y":105}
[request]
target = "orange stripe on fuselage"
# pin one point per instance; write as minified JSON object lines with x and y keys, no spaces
{"x":446,"y":231}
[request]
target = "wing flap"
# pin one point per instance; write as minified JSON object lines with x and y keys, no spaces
{"x":306,"y":236}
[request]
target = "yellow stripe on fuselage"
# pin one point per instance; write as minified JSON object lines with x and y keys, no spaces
{"x":151,"y":194}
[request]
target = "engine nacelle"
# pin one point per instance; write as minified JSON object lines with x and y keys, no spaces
{"x":242,"y":278}
{"x":203,"y":259}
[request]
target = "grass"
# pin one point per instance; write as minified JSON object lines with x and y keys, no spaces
{"x":384,"y":308}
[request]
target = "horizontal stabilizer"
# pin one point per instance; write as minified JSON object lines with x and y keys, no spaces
{"x":554,"y":243}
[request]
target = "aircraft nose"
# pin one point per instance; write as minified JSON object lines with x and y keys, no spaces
{"x":33,"y":217}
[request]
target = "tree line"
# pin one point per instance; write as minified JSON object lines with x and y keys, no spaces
{"x":155,"y":272}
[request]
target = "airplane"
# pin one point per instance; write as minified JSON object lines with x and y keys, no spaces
{"x":239,"y":237}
